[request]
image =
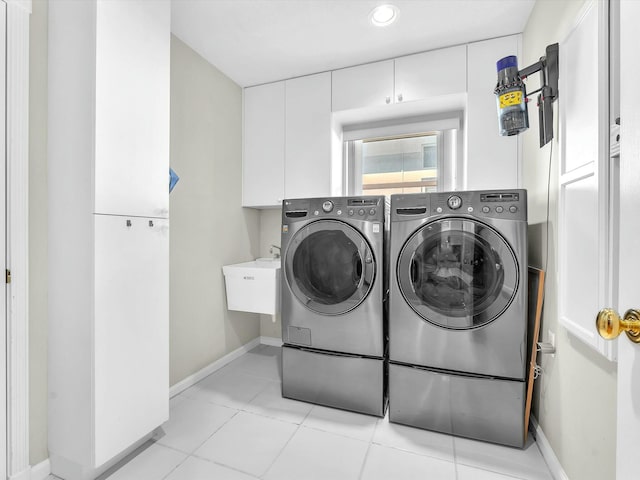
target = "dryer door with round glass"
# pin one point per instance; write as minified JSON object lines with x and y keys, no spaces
{"x":329,"y":267}
{"x":457,"y":273}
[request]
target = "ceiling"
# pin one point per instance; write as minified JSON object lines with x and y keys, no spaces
{"x":259,"y":41}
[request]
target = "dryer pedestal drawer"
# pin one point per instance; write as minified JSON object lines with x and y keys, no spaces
{"x":349,"y":382}
{"x":478,"y":407}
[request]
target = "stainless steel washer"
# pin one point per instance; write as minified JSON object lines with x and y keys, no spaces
{"x":333,"y":325}
{"x":458,"y":313}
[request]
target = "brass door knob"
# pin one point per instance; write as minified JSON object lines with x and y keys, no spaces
{"x":610,"y":325}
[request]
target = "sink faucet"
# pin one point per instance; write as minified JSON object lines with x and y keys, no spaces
{"x":276,"y":254}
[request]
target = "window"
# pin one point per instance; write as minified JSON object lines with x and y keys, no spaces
{"x":386,"y":161}
{"x":400,"y":165}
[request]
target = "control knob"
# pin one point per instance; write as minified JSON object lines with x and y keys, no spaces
{"x":454,"y":202}
{"x":327,"y":206}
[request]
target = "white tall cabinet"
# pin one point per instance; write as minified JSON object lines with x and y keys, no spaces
{"x":108,"y":229}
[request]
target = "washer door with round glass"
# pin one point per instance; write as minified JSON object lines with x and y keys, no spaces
{"x":457,"y":273}
{"x":329,"y":267}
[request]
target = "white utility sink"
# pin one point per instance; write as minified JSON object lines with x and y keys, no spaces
{"x":253,"y":286}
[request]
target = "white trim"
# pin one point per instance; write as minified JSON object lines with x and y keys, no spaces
{"x":41,"y":471}
{"x":191,"y":380}
{"x":272,"y":341}
{"x":443,"y":121}
{"x":18,"y":238}
{"x":547,"y":452}
{"x":22,"y":4}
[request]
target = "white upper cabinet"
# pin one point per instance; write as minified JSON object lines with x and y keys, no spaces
{"x":492,"y":161}
{"x":287,"y":140}
{"x":288,"y":135}
{"x":369,"y":85}
{"x":431,"y":74}
{"x":307,"y":166}
{"x":263,"y":155}
{"x":132,"y":61}
{"x":405,"y":79}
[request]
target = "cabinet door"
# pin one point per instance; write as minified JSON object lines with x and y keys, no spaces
{"x":263,"y":156}
{"x":368,"y":85}
{"x":307,"y":169}
{"x":131,"y":331}
{"x":132,"y":108}
{"x":492,"y":161}
{"x":429,"y":74}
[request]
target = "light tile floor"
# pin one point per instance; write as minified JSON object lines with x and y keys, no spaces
{"x":235,"y":425}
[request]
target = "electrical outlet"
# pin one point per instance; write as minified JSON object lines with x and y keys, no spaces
{"x":551,"y":338}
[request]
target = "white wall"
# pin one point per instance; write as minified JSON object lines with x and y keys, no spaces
{"x":209,"y":228}
{"x":574,"y":400}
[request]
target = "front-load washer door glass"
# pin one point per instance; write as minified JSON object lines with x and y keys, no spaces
{"x":457,"y":273}
{"x":329,"y":267}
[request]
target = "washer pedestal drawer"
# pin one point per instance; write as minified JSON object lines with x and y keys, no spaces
{"x":333,"y":379}
{"x":483,"y":408}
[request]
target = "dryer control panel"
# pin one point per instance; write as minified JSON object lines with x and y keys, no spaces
{"x":506,"y":204}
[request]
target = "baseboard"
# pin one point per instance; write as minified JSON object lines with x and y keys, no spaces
{"x":547,"y":452}
{"x":23,"y":475}
{"x":41,"y":471}
{"x":37,"y":472}
{"x":191,"y":380}
{"x":272,"y":341}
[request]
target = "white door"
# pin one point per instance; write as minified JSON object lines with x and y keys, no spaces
{"x":628,"y":413}
{"x":263,"y":141}
{"x":430,"y":74}
{"x":307,"y":159}
{"x":369,"y":85}
{"x":131,"y":331}
{"x":132,"y":52}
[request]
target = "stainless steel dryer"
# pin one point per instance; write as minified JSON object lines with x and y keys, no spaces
{"x":458,"y":313}
{"x":332,"y":306}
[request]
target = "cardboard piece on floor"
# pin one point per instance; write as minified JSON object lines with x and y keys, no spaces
{"x":534,"y":314}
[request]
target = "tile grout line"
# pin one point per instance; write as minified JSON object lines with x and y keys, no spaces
{"x":177,"y":466}
{"x":284,"y":446}
{"x":455,"y":457}
{"x":224,"y":465}
{"x":366,"y":455}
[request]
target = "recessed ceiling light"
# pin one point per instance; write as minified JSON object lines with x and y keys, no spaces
{"x":384,"y":15}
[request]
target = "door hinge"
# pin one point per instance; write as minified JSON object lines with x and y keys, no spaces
{"x":8,"y":276}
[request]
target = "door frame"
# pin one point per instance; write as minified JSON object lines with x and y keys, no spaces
{"x":17,"y":220}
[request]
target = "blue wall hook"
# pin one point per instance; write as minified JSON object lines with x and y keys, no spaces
{"x":173,"y":179}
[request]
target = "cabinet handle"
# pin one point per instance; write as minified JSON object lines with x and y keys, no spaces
{"x":151,"y":223}
{"x":388,"y":99}
{"x":128,"y":223}
{"x":399,"y":97}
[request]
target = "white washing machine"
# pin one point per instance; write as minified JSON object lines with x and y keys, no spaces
{"x":458,"y":313}
{"x":333,"y":321}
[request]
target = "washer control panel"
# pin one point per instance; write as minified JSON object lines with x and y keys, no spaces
{"x":371,"y":208}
